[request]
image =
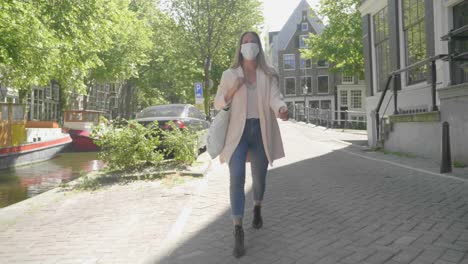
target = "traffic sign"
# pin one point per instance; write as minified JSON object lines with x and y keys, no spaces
{"x":198,"y":93}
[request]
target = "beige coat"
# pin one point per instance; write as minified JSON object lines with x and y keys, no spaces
{"x":269,"y":103}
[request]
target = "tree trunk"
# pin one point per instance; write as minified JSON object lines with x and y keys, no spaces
{"x":128,"y":100}
{"x":206,"y":92}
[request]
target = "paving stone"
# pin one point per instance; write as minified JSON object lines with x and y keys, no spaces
{"x":323,"y":204}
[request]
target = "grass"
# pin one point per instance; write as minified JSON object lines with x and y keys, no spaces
{"x":459,"y":164}
{"x":395,"y":153}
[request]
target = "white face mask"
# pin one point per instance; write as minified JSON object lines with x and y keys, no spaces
{"x":250,"y":50}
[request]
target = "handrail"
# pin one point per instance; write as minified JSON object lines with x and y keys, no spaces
{"x":394,"y":74}
{"x":454,"y":32}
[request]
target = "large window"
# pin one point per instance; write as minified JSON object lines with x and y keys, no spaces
{"x":347,"y":79}
{"x":414,"y":30}
{"x":290,"y":84}
{"x":306,"y":63}
{"x":307,"y":80}
{"x":344,"y":98}
{"x":302,"y":43}
{"x":382,"y":49}
{"x":289,"y":62}
{"x":459,"y":44}
{"x":356,"y":99}
{"x":322,"y":84}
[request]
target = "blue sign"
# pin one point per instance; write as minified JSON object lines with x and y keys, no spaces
{"x":198,"y":93}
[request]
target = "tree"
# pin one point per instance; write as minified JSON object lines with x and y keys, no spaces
{"x":341,"y":40}
{"x":27,"y":47}
{"x":171,"y":70}
{"x":213,"y":28}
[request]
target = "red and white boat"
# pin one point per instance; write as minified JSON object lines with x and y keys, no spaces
{"x":29,"y":142}
{"x":79,"y":124}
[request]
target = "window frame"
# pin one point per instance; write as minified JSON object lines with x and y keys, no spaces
{"x":325,"y":66}
{"x":293,"y":60}
{"x":302,"y":44}
{"x":407,"y":27}
{"x":305,"y":63}
{"x":351,"y":97}
{"x":340,"y":98}
{"x":309,"y":90}
{"x":286,"y":87}
{"x":347,"y":82}
{"x":306,"y":26}
{"x":328,"y":84}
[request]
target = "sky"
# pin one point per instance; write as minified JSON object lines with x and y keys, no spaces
{"x":277,"y":12}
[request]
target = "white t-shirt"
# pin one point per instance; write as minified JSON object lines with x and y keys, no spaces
{"x":252,"y":107}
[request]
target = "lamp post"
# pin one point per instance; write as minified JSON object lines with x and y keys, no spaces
{"x":304,"y":91}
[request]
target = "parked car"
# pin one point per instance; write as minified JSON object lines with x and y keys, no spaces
{"x":185,"y":116}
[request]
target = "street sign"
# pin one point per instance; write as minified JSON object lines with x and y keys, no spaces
{"x":198,"y":93}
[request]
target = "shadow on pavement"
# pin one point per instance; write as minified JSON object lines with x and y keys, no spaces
{"x":338,"y":207}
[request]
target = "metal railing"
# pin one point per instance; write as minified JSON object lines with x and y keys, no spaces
{"x":329,"y":118}
{"x":395,"y":76}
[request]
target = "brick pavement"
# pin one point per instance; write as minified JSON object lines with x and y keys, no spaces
{"x":117,"y":224}
{"x":324,"y":205}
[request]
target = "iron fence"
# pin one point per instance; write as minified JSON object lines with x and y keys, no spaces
{"x":329,"y":118}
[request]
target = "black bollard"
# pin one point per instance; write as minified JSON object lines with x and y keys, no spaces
{"x":446,"y":164}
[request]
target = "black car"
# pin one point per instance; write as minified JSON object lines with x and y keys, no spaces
{"x":183,"y":115}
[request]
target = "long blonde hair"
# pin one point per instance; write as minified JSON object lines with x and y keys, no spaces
{"x":261,"y":61}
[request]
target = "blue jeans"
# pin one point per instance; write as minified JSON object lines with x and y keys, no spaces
{"x":251,"y":142}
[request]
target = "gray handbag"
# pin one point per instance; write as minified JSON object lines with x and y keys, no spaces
{"x":217,"y":133}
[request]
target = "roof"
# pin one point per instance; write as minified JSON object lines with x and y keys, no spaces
{"x":288,"y":30}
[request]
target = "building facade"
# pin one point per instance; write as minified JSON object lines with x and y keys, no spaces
{"x":309,"y":82}
{"x":422,"y":45}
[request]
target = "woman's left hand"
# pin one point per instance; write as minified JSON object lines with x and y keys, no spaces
{"x":284,"y":113}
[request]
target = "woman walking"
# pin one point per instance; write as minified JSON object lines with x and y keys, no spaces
{"x":250,"y":89}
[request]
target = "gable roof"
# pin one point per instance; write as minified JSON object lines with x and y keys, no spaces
{"x":288,"y":30}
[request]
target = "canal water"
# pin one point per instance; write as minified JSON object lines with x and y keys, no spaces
{"x":20,"y":183}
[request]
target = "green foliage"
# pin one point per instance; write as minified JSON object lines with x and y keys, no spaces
{"x":182,"y":144}
{"x":75,"y":43}
{"x":128,"y":147}
{"x":212,"y":29}
{"x":459,"y":164}
{"x":341,"y":40}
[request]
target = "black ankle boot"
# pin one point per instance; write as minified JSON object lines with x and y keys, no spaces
{"x":257,"y":222}
{"x":239,"y":250}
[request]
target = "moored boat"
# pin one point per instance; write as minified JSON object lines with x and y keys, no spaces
{"x":23,"y":142}
{"x":79,"y":124}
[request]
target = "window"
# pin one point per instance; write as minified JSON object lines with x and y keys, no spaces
{"x":382,"y":48}
{"x":356,"y":99}
{"x":289,"y":62}
{"x":322,"y":84}
{"x":55,"y":91}
{"x":325,"y":104}
{"x":302,"y":43}
{"x":304,"y":27}
{"x":314,"y":104}
{"x":290,"y":84}
{"x":344,"y":98}
{"x":322,"y":63}
{"x":306,"y":63}
{"x":414,"y":30}
{"x":307,"y":80}
{"x":459,"y":44}
{"x":347,"y":79}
